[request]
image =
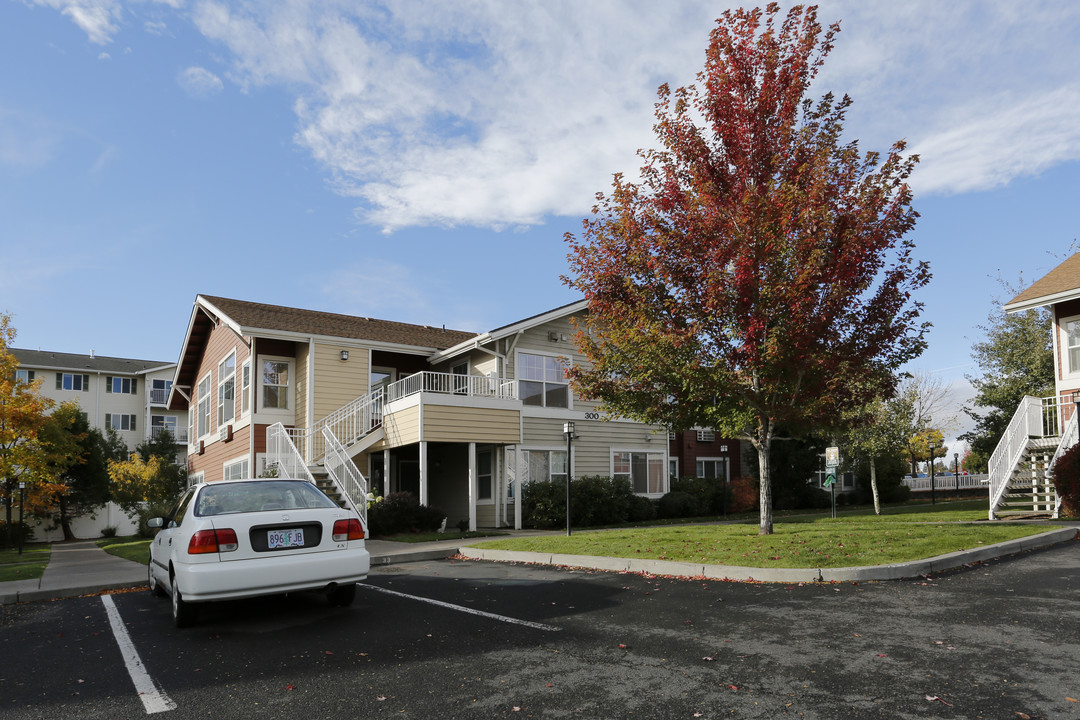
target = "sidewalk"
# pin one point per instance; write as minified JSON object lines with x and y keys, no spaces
{"x":82,"y":568}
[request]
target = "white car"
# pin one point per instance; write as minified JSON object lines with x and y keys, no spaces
{"x":246,"y":538}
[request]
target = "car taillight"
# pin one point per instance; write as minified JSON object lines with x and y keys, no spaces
{"x":212,"y":541}
{"x":348,"y":530}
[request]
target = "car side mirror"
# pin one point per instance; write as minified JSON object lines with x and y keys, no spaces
{"x":155,"y":522}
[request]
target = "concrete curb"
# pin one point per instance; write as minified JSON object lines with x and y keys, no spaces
{"x":896,"y":571}
{"x":22,"y":596}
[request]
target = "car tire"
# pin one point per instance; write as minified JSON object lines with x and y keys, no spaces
{"x":183,"y":612}
{"x":155,"y":587}
{"x":342,"y":595}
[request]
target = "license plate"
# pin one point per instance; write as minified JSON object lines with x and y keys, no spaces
{"x":276,"y":539}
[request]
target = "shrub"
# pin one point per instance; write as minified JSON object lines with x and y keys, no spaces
{"x":744,"y":495}
{"x":1066,"y":474}
{"x":150,"y":511}
{"x":594,"y":500}
{"x":678,"y":504}
{"x":401,"y":512}
{"x":108,"y":531}
{"x":641,"y":509}
{"x":28,"y":534}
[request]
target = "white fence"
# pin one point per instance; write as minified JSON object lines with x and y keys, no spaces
{"x":948,"y":482}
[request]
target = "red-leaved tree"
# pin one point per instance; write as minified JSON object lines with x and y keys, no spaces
{"x":757,"y":278}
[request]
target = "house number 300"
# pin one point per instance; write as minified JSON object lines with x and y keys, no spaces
{"x":592,"y":416}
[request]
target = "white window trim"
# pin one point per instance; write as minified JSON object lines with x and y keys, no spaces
{"x":209,"y":410}
{"x":219,"y":405}
{"x":257,"y":369}
{"x":1067,"y":372}
{"x":665,"y":481}
{"x":246,"y":398}
{"x":232,"y":463}
{"x":544,"y":410}
{"x":196,"y":478}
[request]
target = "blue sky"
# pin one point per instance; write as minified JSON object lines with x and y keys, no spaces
{"x":421,"y":161}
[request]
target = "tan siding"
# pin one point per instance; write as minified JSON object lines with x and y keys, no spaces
{"x":301,"y":380}
{"x":596,"y":440}
{"x":402,"y":427}
{"x":221,"y":342}
{"x":338,"y":381}
{"x":446,"y":423}
{"x":535,"y":340}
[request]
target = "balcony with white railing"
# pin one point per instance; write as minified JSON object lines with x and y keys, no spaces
{"x":452,"y":385}
{"x":179,"y":435}
{"x":159,"y":396}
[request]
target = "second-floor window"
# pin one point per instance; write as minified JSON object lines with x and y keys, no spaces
{"x":1072,"y":335}
{"x":275,"y":385}
{"x":226,"y":393}
{"x":159,"y":392}
{"x":203,"y":407}
{"x":245,"y":388}
{"x":713,"y":468}
{"x":542,"y":381}
{"x":24,"y":376}
{"x":70,"y":381}
{"x":121,"y":385}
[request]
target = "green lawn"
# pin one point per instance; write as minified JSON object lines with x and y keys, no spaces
{"x":132,"y":548}
{"x":28,"y":566}
{"x":853,"y":539}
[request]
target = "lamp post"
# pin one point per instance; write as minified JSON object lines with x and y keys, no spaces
{"x":568,"y":431}
{"x":22,"y":496}
{"x":933,"y":500}
{"x":956,"y":471}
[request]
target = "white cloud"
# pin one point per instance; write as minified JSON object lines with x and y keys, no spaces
{"x":199,"y":82}
{"x":99,"y":19}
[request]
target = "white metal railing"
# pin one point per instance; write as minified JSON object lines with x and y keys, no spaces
{"x":158,"y":396}
{"x":283,"y":453}
{"x":345,"y":475}
{"x":1069,"y":437}
{"x":452,"y":384}
{"x":947,"y":482}
{"x":179,"y":435}
{"x":1035,"y":418}
{"x":348,"y":423}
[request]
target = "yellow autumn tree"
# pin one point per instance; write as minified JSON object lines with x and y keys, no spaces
{"x":23,"y":413}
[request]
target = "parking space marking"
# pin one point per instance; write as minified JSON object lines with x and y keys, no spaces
{"x":481,"y":613}
{"x":153,"y":698}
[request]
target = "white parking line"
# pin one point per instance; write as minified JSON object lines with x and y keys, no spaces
{"x":153,"y":699}
{"x":481,"y":613}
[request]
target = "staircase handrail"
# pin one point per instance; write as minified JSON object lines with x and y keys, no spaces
{"x":282,"y":453}
{"x":1069,"y":437}
{"x":1026,"y":422}
{"x":346,"y":477}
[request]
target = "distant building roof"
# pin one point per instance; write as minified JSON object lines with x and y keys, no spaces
{"x":1060,"y":284}
{"x":93,"y":363}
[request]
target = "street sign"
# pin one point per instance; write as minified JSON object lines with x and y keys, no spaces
{"x":830,"y":480}
{"x":832,"y":457}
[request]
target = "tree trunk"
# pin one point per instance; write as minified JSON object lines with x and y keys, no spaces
{"x":65,"y":521}
{"x":765,"y":495}
{"x":873,"y":487}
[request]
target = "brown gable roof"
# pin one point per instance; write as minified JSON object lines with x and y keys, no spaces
{"x":259,"y":316}
{"x":1061,"y":283}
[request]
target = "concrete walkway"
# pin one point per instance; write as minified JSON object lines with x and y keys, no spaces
{"x":82,"y":568}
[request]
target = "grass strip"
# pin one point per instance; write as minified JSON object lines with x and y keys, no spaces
{"x":820,"y":543}
{"x":131,"y":547}
{"x":28,"y":566}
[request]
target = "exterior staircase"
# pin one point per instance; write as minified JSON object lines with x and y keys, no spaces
{"x":1020,"y":468}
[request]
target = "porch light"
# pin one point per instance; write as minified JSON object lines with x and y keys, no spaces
{"x":344,"y":354}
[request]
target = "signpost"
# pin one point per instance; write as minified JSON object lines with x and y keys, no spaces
{"x":832,"y":461}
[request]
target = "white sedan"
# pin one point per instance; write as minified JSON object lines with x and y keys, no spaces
{"x":246,"y":538}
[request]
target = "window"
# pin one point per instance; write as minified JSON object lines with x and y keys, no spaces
{"x":673,"y":467}
{"x":644,"y":470}
{"x":484,"y":476}
{"x":706,"y":436}
{"x":713,"y":468}
{"x":544,"y":465}
{"x":542,"y":381}
{"x":24,"y":376}
{"x":226,"y":391}
{"x":121,"y":386}
{"x":245,"y":388}
{"x":203,"y":407}
{"x":1072,"y":340}
{"x":119,"y":421}
{"x":236,"y":470}
{"x":275,"y":384}
{"x":159,"y":391}
{"x":68,"y":381}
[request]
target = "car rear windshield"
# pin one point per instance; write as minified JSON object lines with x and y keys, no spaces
{"x":230,"y":498}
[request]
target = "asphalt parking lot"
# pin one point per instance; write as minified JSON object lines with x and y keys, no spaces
{"x":477,"y":639}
